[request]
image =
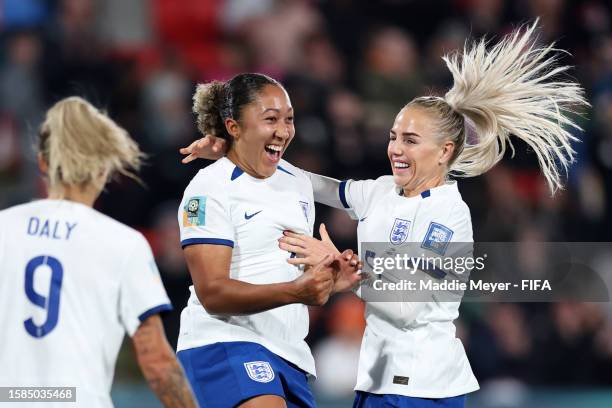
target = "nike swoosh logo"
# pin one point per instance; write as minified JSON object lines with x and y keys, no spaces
{"x":248,"y":217}
{"x":363,"y":219}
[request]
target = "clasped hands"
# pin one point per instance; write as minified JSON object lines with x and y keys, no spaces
{"x":321,"y":257}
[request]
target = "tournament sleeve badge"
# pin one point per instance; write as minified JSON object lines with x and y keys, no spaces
{"x":399,"y":232}
{"x":437,"y":238}
{"x":194,"y":212}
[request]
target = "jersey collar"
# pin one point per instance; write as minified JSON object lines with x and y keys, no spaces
{"x":237,"y":171}
{"x":450,"y":187}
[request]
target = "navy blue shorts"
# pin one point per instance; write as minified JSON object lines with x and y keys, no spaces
{"x":368,"y":400}
{"x":223,"y":375}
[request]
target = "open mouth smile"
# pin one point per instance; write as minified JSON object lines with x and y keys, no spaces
{"x":273,"y":152}
{"x":400,"y":165}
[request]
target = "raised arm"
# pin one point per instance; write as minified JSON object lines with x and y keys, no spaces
{"x":160,"y":366}
{"x":219,"y":294}
{"x":326,"y":190}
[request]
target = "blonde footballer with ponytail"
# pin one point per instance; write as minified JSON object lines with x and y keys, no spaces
{"x":511,"y":89}
{"x":94,"y":277}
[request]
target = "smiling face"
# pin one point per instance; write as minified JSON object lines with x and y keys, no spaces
{"x":263,"y":133}
{"x":419,"y":161}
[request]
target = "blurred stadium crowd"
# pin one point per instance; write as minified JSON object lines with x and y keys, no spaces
{"x":349,"y":66}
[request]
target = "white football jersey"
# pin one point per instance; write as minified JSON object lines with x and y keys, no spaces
{"x":225,"y":206}
{"x":72,"y":282}
{"x":408,"y":348}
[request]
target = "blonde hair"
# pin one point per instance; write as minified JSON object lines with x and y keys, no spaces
{"x":512,"y":88}
{"x":84,"y":147}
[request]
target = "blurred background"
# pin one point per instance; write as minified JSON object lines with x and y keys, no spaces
{"x":349,"y":66}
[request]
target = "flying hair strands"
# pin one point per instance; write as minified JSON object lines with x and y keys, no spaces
{"x":514,"y":88}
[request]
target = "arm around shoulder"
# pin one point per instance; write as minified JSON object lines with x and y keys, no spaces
{"x":325,"y":190}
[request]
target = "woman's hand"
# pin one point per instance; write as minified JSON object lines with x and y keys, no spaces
{"x":209,"y":147}
{"x":349,"y":273}
{"x":316,"y":284}
{"x":312,"y":251}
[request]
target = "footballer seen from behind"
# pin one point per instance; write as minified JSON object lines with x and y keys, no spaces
{"x":73,"y":281}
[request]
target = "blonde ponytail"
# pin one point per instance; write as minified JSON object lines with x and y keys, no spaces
{"x":512,"y":88}
{"x":83,"y":147}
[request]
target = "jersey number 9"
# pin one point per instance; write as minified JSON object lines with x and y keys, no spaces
{"x":50,"y":303}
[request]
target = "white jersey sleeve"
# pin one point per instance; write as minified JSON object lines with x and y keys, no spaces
{"x":204,"y":215}
{"x":141,"y":290}
{"x":350,"y":195}
{"x":357,"y":196}
{"x":325,"y":189}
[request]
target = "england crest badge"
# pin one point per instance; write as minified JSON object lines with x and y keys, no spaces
{"x":399,"y":232}
{"x":259,"y":371}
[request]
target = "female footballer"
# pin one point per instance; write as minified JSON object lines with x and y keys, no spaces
{"x":410,"y":356}
{"x":73,"y":281}
{"x":244,"y":326}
